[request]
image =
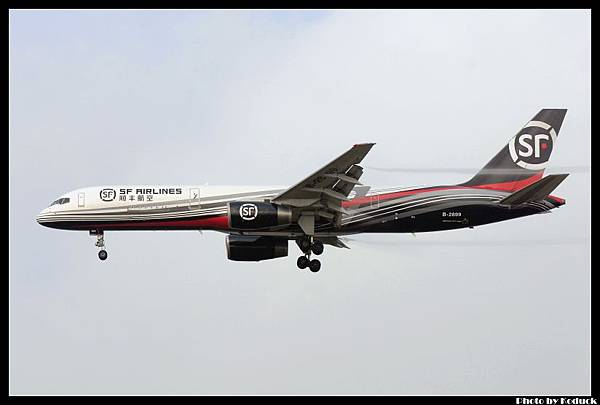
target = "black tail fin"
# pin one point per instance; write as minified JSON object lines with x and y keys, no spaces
{"x":523,"y":160}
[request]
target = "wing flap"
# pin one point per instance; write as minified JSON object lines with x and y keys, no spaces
{"x":349,"y":180}
{"x":334,"y":241}
{"x":360,"y":191}
{"x":343,"y":177}
{"x":328,"y":192}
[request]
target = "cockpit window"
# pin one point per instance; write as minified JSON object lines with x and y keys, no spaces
{"x":61,"y":201}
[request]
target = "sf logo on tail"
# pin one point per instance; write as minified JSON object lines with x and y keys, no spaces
{"x":537,"y":140}
{"x":532,"y":151}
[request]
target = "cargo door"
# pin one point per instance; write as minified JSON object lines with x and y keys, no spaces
{"x":375,"y":201}
{"x":194,"y":201}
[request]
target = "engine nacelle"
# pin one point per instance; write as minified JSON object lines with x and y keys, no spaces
{"x":257,"y":215}
{"x":255,"y":248}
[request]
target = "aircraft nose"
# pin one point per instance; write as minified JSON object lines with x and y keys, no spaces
{"x":42,"y":217}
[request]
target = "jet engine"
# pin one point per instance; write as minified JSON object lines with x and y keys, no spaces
{"x":255,"y":248}
{"x":257,"y":215}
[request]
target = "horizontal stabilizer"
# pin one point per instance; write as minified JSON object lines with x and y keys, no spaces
{"x":536,"y":191}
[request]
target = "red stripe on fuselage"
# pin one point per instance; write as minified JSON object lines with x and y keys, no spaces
{"x":388,"y":196}
{"x":221,"y":222}
{"x":510,"y":186}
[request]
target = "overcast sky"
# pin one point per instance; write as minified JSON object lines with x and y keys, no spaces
{"x":266,"y":98}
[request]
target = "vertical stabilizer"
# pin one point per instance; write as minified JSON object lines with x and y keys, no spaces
{"x":523,"y":160}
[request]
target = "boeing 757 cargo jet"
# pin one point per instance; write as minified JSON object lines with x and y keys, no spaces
{"x":329,"y":203}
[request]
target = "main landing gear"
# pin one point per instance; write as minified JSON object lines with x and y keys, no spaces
{"x":308,"y":246}
{"x":102,"y":254}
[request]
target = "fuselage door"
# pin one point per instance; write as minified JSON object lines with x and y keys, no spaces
{"x":81,"y":200}
{"x":375,"y":201}
{"x":194,"y":197}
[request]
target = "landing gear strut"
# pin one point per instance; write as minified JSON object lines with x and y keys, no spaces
{"x":308,"y":246}
{"x":102,"y":254}
{"x":304,"y":244}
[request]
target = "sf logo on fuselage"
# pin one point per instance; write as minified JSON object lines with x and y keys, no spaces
{"x":531,"y":148}
{"x":248,"y":212}
{"x":107,"y":194}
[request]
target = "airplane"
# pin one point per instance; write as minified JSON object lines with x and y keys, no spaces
{"x":328,"y":204}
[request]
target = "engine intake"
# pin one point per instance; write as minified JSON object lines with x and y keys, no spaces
{"x":255,"y":248}
{"x":257,"y":215}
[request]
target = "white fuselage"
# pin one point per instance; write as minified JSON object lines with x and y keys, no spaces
{"x":162,"y":202}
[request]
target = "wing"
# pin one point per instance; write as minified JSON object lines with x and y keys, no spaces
{"x":334,"y":241}
{"x":322,"y":192}
{"x":324,"y":180}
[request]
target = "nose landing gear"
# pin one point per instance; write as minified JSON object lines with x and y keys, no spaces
{"x":102,"y":254}
{"x":309,"y":246}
